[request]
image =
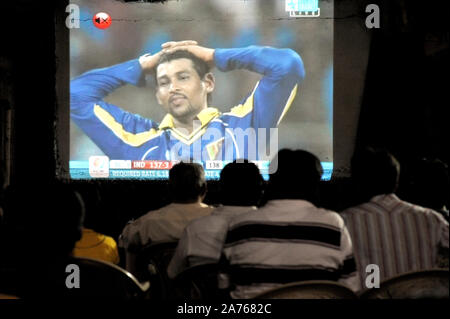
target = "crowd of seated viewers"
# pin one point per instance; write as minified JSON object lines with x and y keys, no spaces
{"x":260,"y":236}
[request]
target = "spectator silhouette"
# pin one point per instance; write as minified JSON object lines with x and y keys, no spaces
{"x":187,"y":186}
{"x":429,"y":185}
{"x":290,"y":238}
{"x":395,"y":235}
{"x":94,"y":244}
{"x":202,"y":240}
{"x":48,"y":221}
{"x":2,"y":187}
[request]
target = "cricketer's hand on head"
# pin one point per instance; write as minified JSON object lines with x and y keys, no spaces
{"x":149,"y":61}
{"x":205,"y":54}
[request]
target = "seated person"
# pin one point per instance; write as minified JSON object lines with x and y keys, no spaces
{"x":202,"y":240}
{"x":289,"y":239}
{"x":97,"y":246}
{"x":188,"y":188}
{"x":429,"y":185}
{"x":396,"y":235}
{"x":49,"y":220}
{"x":94,"y":244}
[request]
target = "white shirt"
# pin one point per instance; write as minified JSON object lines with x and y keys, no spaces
{"x":202,"y":240}
{"x":163,"y":225}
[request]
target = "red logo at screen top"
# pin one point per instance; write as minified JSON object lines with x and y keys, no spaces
{"x":102,"y":20}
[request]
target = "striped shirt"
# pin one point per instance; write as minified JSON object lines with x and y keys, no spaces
{"x":395,"y":235}
{"x":287,"y":241}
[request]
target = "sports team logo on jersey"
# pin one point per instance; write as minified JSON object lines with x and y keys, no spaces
{"x":214,"y":148}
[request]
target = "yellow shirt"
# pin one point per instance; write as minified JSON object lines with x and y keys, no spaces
{"x":97,"y":246}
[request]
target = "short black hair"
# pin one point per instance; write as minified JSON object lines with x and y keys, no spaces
{"x":90,"y":193}
{"x":297,"y":176}
{"x":51,"y":213}
{"x":375,"y":171}
{"x":240,"y":184}
{"x":187,"y":182}
{"x":200,"y":66}
{"x":429,"y":183}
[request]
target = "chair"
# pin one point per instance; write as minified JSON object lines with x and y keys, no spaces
{"x":200,"y":283}
{"x":313,"y":289}
{"x":426,"y":284}
{"x":103,"y":279}
{"x":8,"y":282}
{"x":5,"y":296}
{"x":151,"y":264}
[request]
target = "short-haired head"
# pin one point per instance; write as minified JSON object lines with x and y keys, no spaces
{"x":297,"y":176}
{"x":90,"y":193}
{"x":187,"y":182}
{"x":375,"y":171}
{"x":429,"y":183}
{"x":201,"y":67}
{"x":51,"y":214}
{"x":240,"y":184}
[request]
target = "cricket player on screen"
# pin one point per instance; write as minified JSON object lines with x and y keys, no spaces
{"x":191,"y":129}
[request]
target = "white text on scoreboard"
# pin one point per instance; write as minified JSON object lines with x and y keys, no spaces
{"x":151,"y":164}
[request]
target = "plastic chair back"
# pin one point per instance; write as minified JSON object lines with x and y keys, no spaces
{"x":426,"y":284}
{"x":314,"y":289}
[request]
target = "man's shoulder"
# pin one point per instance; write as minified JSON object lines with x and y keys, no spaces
{"x":330,"y":215}
{"x":299,"y":212}
{"x":320,"y":217}
{"x":250,"y":215}
{"x":349,"y":211}
{"x":105,"y":111}
{"x":397,"y":205}
{"x":109,"y":241}
{"x":377,"y":204}
{"x":149,"y":217}
{"x":200,"y":210}
{"x":203,"y":222}
{"x":428,"y":212}
{"x":387,"y":205}
{"x":180,"y":212}
{"x":154,"y":214}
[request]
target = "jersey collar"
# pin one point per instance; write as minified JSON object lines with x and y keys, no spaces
{"x":205,"y":116}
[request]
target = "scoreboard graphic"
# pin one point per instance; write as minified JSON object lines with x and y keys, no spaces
{"x":103,"y":167}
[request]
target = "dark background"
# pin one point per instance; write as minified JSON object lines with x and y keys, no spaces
{"x":404,"y":105}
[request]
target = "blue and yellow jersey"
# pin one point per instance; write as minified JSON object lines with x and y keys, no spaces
{"x":218,"y":136}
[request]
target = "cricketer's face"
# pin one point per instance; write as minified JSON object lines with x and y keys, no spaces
{"x":180,"y":89}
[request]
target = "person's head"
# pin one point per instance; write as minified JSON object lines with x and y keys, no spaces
{"x":184,"y":84}
{"x":187,"y":183}
{"x":90,"y":194}
{"x":429,"y":183}
{"x":240,"y":184}
{"x":51,"y":215}
{"x":2,"y":185}
{"x":297,"y":176}
{"x":374,"y":172}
